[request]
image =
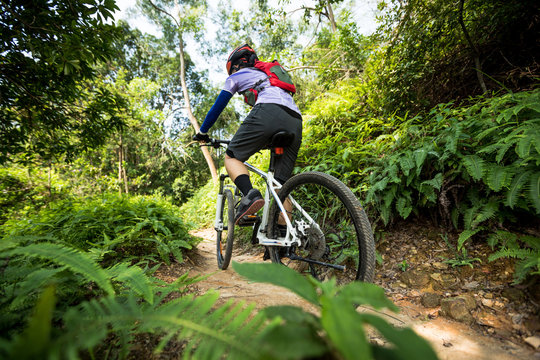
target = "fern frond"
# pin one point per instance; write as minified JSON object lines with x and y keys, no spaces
{"x":502,"y":151}
{"x":32,"y":283}
{"x":466,"y":235}
{"x":428,"y":191}
{"x":498,"y":177}
{"x":468,"y":216}
{"x":393,"y":174}
{"x":419,"y":158}
{"x":385,"y":214}
{"x":38,"y":331}
{"x":536,"y":139}
{"x":475,"y":166}
{"x":436,"y":182}
{"x":488,"y":211}
{"x":525,"y":267}
{"x":403,"y":207}
{"x":134,"y":279}
{"x":511,"y":253}
{"x":501,"y":236}
{"x":523,"y":148}
{"x":380,"y":185}
{"x":486,"y":132}
{"x":75,"y":260}
{"x":515,"y":189}
{"x":490,"y":148}
{"x":407,"y":163}
{"x":390,"y":195}
{"x":228,"y":330}
{"x":532,"y":241}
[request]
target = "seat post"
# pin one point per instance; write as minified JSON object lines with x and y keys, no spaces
{"x":277,"y":144}
{"x":274,"y":152}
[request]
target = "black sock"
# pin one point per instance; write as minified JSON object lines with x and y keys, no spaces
{"x":243,"y":183}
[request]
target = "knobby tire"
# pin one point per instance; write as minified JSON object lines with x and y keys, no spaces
{"x":345,"y":238}
{"x":225,"y":237}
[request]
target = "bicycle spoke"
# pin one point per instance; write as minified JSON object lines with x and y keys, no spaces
{"x":342,"y":236}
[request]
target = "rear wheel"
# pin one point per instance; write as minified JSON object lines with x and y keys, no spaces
{"x":343,"y":236}
{"x":225,"y":237}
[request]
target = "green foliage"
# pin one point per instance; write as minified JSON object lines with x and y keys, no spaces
{"x":338,"y":55}
{"x":200,"y":210}
{"x":38,"y":330}
{"x":26,"y":190}
{"x":471,"y":167}
{"x":425,"y":163}
{"x":74,"y":273}
{"x":339,"y":324}
{"x":210,"y":331}
{"x":403,"y":266}
{"x":461,"y":255}
{"x":85,"y":324}
{"x":231,"y":329}
{"x":84,"y":249}
{"x":524,"y":248}
{"x":436,"y":51}
{"x":112,"y":227}
{"x":70,"y":258}
{"x":53,"y":102}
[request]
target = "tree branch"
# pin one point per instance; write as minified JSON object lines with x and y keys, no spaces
{"x":307,"y":67}
{"x":165,"y":12}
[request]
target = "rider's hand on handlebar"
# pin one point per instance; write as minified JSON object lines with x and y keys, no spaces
{"x":201,"y":137}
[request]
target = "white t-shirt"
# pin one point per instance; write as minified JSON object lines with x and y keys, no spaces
{"x":246,"y":78}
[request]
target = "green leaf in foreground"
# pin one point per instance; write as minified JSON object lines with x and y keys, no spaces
{"x":33,"y":343}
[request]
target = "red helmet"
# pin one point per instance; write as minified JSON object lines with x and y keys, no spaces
{"x":243,"y":55}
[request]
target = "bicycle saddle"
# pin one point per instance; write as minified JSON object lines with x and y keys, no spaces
{"x":281,"y":139}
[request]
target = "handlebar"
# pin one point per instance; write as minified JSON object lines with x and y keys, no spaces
{"x":217,"y":143}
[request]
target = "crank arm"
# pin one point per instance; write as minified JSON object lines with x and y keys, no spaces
{"x":311,"y":261}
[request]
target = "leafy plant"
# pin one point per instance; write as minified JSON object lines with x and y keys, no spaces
{"x":404,"y":266}
{"x":524,"y":248}
{"x":340,"y":325}
{"x":461,"y":256}
{"x":112,"y":227}
{"x":211,"y":331}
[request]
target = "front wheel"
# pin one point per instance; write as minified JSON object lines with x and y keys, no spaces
{"x":343,"y":235}
{"x":225,"y":237}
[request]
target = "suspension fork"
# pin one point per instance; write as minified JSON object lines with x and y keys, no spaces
{"x":218,"y":224}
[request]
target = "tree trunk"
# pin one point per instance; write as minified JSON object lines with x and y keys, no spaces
{"x":192,"y":119}
{"x":124,"y":174}
{"x":49,"y":182}
{"x":185,"y":91}
{"x":330,"y":14}
{"x":122,"y":178}
{"x":477,"y":63}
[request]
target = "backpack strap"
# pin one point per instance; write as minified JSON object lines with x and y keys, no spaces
{"x":251,"y":94}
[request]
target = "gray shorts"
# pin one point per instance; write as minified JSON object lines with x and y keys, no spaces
{"x":257,"y":130}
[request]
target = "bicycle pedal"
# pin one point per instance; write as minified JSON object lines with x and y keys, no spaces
{"x":248,"y":220}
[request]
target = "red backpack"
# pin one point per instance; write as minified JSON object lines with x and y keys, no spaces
{"x":278,"y":77}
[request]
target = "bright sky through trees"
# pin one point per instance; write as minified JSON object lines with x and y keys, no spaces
{"x":363,"y":10}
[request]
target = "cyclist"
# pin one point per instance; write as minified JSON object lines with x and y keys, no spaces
{"x":273,"y":111}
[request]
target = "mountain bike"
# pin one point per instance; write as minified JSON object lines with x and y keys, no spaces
{"x":312,"y":223}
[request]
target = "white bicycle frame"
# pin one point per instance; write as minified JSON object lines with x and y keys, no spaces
{"x":272,"y":185}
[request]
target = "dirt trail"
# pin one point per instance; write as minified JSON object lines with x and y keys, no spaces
{"x":451,"y":339}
